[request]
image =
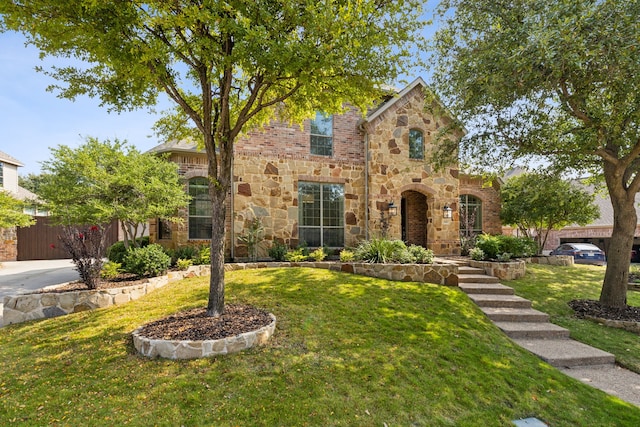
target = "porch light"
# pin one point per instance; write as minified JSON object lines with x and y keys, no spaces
{"x":447,"y":212}
{"x":392,"y":208}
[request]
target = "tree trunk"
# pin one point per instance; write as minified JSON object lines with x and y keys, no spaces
{"x":616,"y":277}
{"x":215,"y":306}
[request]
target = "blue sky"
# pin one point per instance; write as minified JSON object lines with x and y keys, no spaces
{"x":32,"y":119}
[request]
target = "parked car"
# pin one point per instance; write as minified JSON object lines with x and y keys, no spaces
{"x":583,"y":253}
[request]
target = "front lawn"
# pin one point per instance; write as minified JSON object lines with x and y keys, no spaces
{"x":348,"y":351}
{"x":550,"y":288}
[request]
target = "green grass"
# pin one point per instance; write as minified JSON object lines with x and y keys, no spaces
{"x":348,"y":351}
{"x":550,"y":288}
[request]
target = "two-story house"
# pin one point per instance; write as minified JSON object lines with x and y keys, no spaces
{"x":336,"y":181}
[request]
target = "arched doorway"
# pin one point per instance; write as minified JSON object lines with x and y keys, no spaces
{"x":413,"y":209}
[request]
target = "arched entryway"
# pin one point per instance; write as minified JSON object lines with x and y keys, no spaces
{"x":413,"y":209}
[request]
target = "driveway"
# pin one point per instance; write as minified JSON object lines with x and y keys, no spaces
{"x":17,"y":277}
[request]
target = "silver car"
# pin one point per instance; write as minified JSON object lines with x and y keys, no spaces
{"x":582,"y":253}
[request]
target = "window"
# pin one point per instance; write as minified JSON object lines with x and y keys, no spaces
{"x":322,"y":135}
{"x":321,"y":214}
{"x":416,"y":144}
{"x":470,"y":215}
{"x":1,"y":175}
{"x":199,"y":209}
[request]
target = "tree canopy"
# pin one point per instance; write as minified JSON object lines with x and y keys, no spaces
{"x":228,"y":66}
{"x":537,"y":203}
{"x":98,"y":182}
{"x":11,"y":212}
{"x":556,"y":80}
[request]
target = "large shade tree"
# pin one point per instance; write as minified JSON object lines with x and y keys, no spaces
{"x":229,"y":66}
{"x":552,"y":79}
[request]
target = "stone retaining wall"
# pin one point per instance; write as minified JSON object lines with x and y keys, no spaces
{"x":509,"y":270}
{"x":564,"y":260}
{"x":25,"y":307}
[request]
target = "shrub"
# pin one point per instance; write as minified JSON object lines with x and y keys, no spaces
{"x":380,"y":250}
{"x":204,"y":256}
{"x":183,"y":264}
{"x":318,"y":255}
{"x":278,"y":251}
{"x":86,"y":247}
{"x":499,"y":245}
{"x":467,"y":243}
{"x":296,"y":255}
{"x":253,"y":237}
{"x":184,"y":252}
{"x":421,"y":255}
{"x":147,"y":261}
{"x":110,"y":270}
{"x":117,"y":251}
{"x":504,"y":257}
{"x":477,"y":254}
{"x":347,"y":255}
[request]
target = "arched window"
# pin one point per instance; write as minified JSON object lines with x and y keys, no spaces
{"x":470,"y":215}
{"x":199,"y":209}
{"x":416,"y":144}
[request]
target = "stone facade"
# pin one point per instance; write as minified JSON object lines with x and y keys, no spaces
{"x":369,"y":161}
{"x":8,"y":244}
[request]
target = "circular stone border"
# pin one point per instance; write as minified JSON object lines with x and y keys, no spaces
{"x":186,"y":349}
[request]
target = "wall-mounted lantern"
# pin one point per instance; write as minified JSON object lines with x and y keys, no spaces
{"x":392,"y":208}
{"x":447,"y":212}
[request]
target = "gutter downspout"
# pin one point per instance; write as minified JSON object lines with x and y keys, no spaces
{"x":366,"y":182}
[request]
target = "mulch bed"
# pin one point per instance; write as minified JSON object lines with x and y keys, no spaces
{"x":195,"y":325}
{"x":591,"y":308}
{"x":121,"y":281}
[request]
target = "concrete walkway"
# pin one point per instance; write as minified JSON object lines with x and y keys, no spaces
{"x":18,"y":277}
{"x":532,"y":330}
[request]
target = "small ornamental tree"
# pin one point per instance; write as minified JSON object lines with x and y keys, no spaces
{"x":11,"y":214}
{"x":538,"y":203}
{"x":86,"y":245}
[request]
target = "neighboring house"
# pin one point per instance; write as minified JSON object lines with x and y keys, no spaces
{"x":9,"y":182}
{"x":331,"y":183}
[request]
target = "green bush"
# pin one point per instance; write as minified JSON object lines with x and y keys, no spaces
{"x":183,"y":264}
{"x":277,"y":251}
{"x":421,"y":255}
{"x":110,"y":270}
{"x":381,"y":250}
{"x":318,"y":255}
{"x":347,"y":255}
{"x":117,"y":251}
{"x":148,"y":261}
{"x":499,"y":246}
{"x":296,"y":255}
{"x":204,"y":256}
{"x":476,"y":254}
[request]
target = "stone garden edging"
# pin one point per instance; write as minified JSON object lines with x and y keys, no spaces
{"x":184,"y":349}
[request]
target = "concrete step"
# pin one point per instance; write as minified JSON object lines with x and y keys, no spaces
{"x":507,"y":314}
{"x":566,"y":353}
{"x":470,"y":270}
{"x":492,"y":300}
{"x":476,"y":278}
{"x":485,"y":288}
{"x":533,"y":330}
